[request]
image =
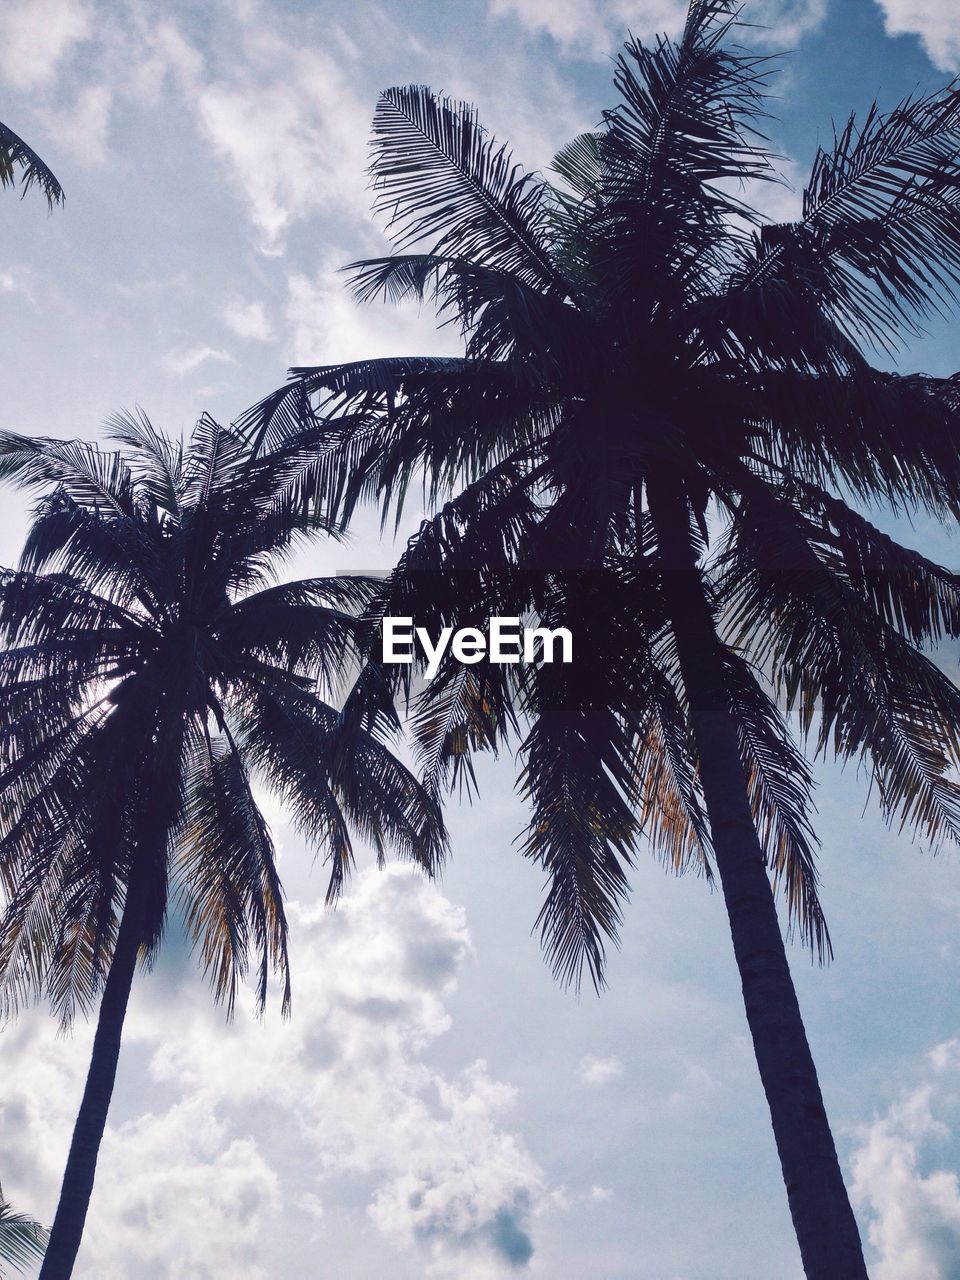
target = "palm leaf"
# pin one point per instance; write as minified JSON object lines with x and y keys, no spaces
{"x":16,"y":155}
{"x":440,"y":178}
{"x":22,"y":1239}
{"x":879,"y":238}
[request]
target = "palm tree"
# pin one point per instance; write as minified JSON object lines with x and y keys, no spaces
{"x":663,"y":430}
{"x":22,"y":1239}
{"x":14,"y":155}
{"x":153,"y":669}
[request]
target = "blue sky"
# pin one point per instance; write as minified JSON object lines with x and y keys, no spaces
{"x":437,"y":1106}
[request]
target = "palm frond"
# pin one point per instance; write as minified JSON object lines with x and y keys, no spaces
{"x":93,"y":479}
{"x":879,"y":436}
{"x":22,"y":1239}
{"x":498,"y":312}
{"x":216,"y":456}
{"x":226,"y":867}
{"x":583,"y":831}
{"x":879,"y":238}
{"x":159,"y":463}
{"x":442,"y":180}
{"x":334,"y":773}
{"x":16,"y":155}
{"x":580,"y":164}
{"x":780,"y":785}
{"x":687,"y":127}
{"x":673,"y":815}
{"x":862,"y":688}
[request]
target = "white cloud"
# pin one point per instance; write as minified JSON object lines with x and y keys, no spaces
{"x":20,"y":281}
{"x":164,"y":53}
{"x":43,"y":1079}
{"x":190,"y":358}
{"x":35,"y":35}
{"x":593,"y":28}
{"x":327,"y":326}
{"x":946,"y":1055}
{"x":914,"y":1214}
{"x":292,"y":131}
{"x":934,"y":22}
{"x":150,"y":1169}
{"x":785,"y":22}
{"x":371,"y":981}
{"x":466,"y":1188}
{"x":285,"y":119}
{"x":81,"y":128}
{"x":153,"y":286}
{"x":696,"y":1088}
{"x":777,"y":201}
{"x":249,"y":320}
{"x":599,"y":1071}
{"x":254,"y":1120}
{"x":180,"y":1193}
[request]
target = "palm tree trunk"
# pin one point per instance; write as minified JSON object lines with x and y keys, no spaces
{"x":823,"y":1220}
{"x":67,"y":1229}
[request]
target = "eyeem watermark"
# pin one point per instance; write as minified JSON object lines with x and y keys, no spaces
{"x":505,"y":641}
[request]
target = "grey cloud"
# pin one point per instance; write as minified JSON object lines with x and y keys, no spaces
{"x":432,"y":963}
{"x":506,"y":1234}
{"x":510,"y":1235}
{"x":377,"y":1009}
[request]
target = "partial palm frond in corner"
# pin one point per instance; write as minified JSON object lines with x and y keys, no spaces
{"x":17,"y":158}
{"x":22,"y":1239}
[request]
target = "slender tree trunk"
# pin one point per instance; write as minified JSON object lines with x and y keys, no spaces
{"x":825,"y":1226}
{"x":67,"y":1229}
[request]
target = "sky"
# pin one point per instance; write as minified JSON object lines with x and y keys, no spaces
{"x":436,"y":1106}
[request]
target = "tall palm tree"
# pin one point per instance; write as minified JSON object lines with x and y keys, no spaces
{"x":663,"y":430}
{"x":16,"y":155}
{"x":154,"y":668}
{"x":22,"y":1239}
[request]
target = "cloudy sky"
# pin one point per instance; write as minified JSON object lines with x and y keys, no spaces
{"x":436,"y":1106}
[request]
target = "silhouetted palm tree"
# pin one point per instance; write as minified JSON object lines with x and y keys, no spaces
{"x":16,"y":155}
{"x":153,"y":668}
{"x":22,"y":1239}
{"x":666,"y":394}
